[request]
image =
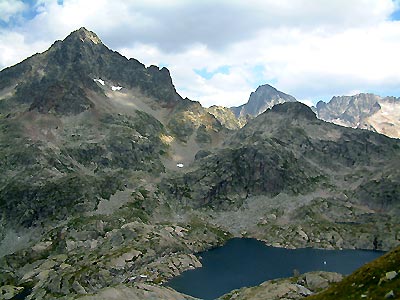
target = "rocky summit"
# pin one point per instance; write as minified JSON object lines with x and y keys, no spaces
{"x":264,"y":97}
{"x":111,"y":181}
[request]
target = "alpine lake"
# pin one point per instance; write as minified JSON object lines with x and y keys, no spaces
{"x":244,"y":262}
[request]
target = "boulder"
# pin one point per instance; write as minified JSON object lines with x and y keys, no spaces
{"x":390,"y":295}
{"x":391,"y":275}
{"x":9,"y":291}
{"x":78,"y":288}
{"x":42,"y":246}
{"x":316,"y":282}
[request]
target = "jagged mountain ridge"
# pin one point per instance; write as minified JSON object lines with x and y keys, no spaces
{"x":91,"y":178}
{"x":264,"y":97}
{"x":59,"y":78}
{"x":366,"y":111}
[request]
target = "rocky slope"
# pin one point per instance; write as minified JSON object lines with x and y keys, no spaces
{"x":110,"y":178}
{"x":264,"y":97}
{"x":366,"y":111}
{"x":295,"y":181}
{"x":227,"y":117}
{"x":78,"y":119}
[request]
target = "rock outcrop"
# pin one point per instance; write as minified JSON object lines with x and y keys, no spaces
{"x":293,"y":288}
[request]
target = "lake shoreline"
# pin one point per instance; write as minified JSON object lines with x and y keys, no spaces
{"x":324,"y":267}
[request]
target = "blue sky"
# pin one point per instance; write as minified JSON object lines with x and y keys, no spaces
{"x":219,"y":51}
{"x":204,"y":73}
{"x":395,"y":16}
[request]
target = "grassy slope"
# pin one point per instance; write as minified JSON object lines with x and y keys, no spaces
{"x":368,"y":282}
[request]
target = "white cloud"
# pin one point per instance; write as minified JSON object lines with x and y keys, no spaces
{"x":310,"y":49}
{"x":358,"y":58}
{"x":307,"y":64}
{"x":13,"y":48}
{"x":225,"y":89}
{"x":10,"y":8}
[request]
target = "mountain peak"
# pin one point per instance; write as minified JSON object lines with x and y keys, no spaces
{"x":266,"y":87}
{"x":84,"y":35}
{"x":62,"y":78}
{"x":264,"y":97}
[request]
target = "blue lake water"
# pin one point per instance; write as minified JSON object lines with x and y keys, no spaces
{"x":248,"y":262}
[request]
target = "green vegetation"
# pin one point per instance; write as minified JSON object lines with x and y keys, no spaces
{"x":369,"y":282}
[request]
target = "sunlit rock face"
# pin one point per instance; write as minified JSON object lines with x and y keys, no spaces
{"x":366,"y":111}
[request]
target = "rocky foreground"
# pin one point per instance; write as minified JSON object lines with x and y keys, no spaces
{"x":293,"y":288}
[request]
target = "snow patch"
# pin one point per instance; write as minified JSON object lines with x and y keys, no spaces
{"x":116,"y":88}
{"x":179,"y":165}
{"x":99,"y":81}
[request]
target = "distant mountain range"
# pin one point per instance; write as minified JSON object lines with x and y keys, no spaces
{"x":365,"y":111}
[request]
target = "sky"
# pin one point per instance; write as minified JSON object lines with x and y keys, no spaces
{"x":219,"y":51}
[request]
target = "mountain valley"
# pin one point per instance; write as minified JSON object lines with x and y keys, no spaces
{"x":111,"y":181}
